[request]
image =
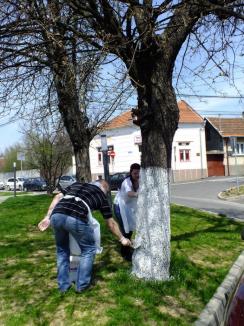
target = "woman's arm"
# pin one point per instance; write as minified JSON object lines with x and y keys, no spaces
{"x":127,"y":188}
{"x":132,"y":194}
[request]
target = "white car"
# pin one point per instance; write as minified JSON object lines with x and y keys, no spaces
{"x":19,"y":183}
{"x":65,"y":181}
{"x":1,"y":185}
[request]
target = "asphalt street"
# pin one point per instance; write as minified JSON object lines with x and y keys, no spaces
{"x":203,"y":194}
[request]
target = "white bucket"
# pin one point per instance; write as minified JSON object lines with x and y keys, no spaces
{"x":74,"y":258}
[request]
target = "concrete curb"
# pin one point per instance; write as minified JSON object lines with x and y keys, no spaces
{"x":215,"y":311}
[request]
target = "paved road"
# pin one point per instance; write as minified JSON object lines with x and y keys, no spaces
{"x":203,"y":194}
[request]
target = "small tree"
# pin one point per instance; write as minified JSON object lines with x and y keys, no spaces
{"x":10,"y":156}
{"x":49,"y":150}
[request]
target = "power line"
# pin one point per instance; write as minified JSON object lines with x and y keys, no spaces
{"x":212,"y":96}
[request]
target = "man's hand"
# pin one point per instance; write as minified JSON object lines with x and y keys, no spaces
{"x":44,"y":224}
{"x":125,"y":242}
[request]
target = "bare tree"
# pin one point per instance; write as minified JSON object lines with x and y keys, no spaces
{"x":148,"y":36}
{"x":44,"y":63}
{"x":48,"y":149}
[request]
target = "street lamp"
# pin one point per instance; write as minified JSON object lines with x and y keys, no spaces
{"x":233,"y":144}
{"x":14,"y":166}
{"x":104,"y":146}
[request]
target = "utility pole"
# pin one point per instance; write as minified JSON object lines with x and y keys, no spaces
{"x":104,"y":146}
{"x":14,"y":166}
{"x":233,"y":142}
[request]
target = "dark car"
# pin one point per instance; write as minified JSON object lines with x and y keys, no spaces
{"x":116,"y":180}
{"x":35,"y":184}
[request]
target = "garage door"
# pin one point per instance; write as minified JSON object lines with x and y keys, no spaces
{"x":215,"y":165}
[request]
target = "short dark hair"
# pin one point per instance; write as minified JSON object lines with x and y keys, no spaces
{"x":134,"y":166}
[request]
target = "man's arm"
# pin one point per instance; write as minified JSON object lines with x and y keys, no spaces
{"x":45,"y":222}
{"x":114,"y":228}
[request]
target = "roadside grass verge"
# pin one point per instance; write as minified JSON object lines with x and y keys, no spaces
{"x":204,"y":247}
{"x":232,"y":192}
{"x":11,"y":193}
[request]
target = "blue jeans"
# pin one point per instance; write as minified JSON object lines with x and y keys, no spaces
{"x":83,"y":233}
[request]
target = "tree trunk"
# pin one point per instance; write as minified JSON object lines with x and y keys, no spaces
{"x":76,"y":124}
{"x":82,"y":159}
{"x":157,"y":116}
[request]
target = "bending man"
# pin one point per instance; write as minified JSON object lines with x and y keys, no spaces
{"x":68,"y":213}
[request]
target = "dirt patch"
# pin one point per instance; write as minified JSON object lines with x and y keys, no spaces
{"x":174,"y":308}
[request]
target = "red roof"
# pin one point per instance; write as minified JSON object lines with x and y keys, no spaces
{"x":228,"y":127}
{"x":187,"y":115}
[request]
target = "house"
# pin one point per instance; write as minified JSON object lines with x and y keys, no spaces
{"x":124,"y":145}
{"x":223,"y":158}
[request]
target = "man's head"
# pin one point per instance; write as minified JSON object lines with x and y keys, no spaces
{"x":103,"y":185}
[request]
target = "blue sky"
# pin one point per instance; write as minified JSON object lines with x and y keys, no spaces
{"x":10,"y":134}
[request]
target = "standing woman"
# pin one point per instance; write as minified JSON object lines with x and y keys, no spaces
{"x":125,"y":203}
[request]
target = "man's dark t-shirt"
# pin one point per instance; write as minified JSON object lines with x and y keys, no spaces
{"x":92,"y":195}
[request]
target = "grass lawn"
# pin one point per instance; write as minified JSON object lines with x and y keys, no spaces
{"x":203,"y":249}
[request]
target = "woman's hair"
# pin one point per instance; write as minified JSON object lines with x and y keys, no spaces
{"x":134,"y":166}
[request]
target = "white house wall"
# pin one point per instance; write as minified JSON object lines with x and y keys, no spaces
{"x":127,"y":151}
{"x":197,"y":146}
{"x":194,"y":136}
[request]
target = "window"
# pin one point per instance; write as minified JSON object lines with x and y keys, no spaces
{"x":184,"y":143}
{"x":184,"y":155}
{"x":99,"y":158}
{"x":100,"y":155}
{"x":240,"y":148}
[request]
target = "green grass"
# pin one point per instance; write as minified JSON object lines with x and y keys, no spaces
{"x":204,"y":247}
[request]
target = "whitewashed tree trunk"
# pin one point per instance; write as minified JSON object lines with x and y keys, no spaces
{"x":151,"y":258}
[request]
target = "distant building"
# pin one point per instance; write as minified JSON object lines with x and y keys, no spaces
{"x":221,"y":159}
{"x":124,"y":142}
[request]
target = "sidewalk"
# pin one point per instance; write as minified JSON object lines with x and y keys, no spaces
{"x":3,"y":198}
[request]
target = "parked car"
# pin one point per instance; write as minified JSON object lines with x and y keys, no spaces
{"x":65,"y":181}
{"x":19,"y":183}
{"x":1,"y":185}
{"x":35,"y":184}
{"x":116,"y":180}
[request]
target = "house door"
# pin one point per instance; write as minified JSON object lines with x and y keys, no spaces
{"x":215,"y":165}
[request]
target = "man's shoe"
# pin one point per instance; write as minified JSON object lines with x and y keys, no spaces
{"x":82,"y":290}
{"x":64,"y":291}
{"x":128,"y":257}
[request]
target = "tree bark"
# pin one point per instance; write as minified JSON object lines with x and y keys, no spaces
{"x":158,"y":116}
{"x":76,"y":124}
